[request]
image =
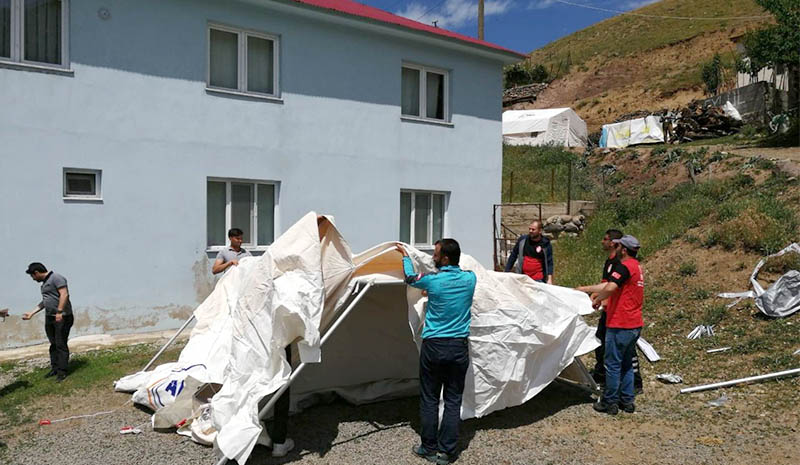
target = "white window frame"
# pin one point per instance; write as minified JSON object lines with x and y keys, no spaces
{"x":17,"y":58}
{"x":423,"y":90}
{"x":428,"y":244}
{"x":241,"y":85}
{"x":98,"y":184}
{"x":253,"y":208}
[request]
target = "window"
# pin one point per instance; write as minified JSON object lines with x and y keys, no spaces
{"x":34,"y":32}
{"x":421,"y":217}
{"x":249,"y":206}
{"x":242,"y":61}
{"x":424,"y":92}
{"x":82,"y":184}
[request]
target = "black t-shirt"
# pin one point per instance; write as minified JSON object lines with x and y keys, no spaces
{"x":534,"y":249}
{"x":608,"y":267}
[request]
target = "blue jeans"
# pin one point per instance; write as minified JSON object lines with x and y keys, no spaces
{"x":620,"y":349}
{"x":443,"y":364}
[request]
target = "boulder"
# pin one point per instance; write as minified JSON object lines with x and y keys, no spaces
{"x":565,"y":218}
{"x":553,"y":220}
{"x":571,"y":228}
{"x":554,"y":228}
{"x":578,"y":219}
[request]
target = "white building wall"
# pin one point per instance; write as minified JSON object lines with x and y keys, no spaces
{"x":137,"y":108}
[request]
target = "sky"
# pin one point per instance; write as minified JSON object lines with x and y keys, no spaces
{"x":521,"y":25}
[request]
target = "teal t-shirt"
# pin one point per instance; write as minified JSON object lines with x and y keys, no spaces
{"x":450,"y":294}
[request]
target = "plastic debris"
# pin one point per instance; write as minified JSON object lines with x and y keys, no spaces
{"x":44,"y":422}
{"x":648,"y":350}
{"x":701,"y":331}
{"x":719,"y":401}
{"x":129,"y":430}
{"x":779,"y":300}
{"x":721,"y":349}
{"x":796,"y":352}
{"x":669,"y":378}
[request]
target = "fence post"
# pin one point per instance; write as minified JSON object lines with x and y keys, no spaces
{"x":511,"y":188}
{"x":569,"y":187}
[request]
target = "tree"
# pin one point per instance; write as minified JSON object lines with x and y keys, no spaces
{"x":778,"y":44}
{"x":520,"y":75}
{"x":712,"y":74}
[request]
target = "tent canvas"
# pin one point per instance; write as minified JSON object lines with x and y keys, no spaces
{"x":523,"y":334}
{"x":559,"y":126}
{"x":632,"y":132}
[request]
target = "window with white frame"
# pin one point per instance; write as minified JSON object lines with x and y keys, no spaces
{"x":82,"y":184}
{"x":34,"y":32}
{"x":422,"y":217}
{"x":425,"y":92}
{"x":242,"y":61}
{"x":247,"y":205}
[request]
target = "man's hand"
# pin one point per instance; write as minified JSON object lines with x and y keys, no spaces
{"x":400,"y":249}
{"x":27,"y":316}
{"x":234,"y":262}
{"x":59,"y":317}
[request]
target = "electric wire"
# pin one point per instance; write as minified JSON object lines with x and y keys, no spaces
{"x":690,"y":18}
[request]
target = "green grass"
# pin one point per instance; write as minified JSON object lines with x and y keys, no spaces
{"x":88,"y":371}
{"x":532,"y":171}
{"x":624,"y":35}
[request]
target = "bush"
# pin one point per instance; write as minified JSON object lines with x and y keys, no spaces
{"x":520,"y":75}
{"x":687,"y":269}
{"x":782,"y":264}
{"x":753,"y":230}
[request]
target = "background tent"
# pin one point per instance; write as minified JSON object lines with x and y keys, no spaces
{"x":632,"y":132}
{"x":559,"y":126}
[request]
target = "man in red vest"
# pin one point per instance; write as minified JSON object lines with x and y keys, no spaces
{"x":625,"y":293}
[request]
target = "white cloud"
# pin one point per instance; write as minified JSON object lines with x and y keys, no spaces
{"x":454,"y":13}
{"x":636,"y":4}
{"x":541,"y":4}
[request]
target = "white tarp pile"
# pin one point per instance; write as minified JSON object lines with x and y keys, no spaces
{"x":782,"y":298}
{"x":632,"y":132}
{"x":557,"y":126}
{"x":523,"y":334}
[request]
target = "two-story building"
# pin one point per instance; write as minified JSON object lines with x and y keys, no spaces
{"x":134,"y":134}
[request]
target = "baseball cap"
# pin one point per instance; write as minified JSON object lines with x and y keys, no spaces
{"x":628,"y":241}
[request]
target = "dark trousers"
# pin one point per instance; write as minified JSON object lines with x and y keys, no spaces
{"x":443,"y":364}
{"x":600,"y":356}
{"x":280,"y":415}
{"x":57,"y":334}
{"x":620,"y":347}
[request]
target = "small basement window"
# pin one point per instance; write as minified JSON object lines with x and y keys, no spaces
{"x":82,"y":184}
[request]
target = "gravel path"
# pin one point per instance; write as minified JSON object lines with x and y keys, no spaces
{"x":556,"y":427}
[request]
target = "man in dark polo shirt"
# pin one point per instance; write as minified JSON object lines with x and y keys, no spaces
{"x":230,"y":255}
{"x":532,"y":255}
{"x":58,"y":316}
{"x":625,"y":293}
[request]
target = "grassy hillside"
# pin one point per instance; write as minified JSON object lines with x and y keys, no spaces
{"x":631,"y":63}
{"x":625,"y":34}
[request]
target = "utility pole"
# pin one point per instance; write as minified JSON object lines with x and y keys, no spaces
{"x":480,"y":19}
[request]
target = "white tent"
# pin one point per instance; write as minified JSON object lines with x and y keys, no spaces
{"x":354,"y":323}
{"x":559,"y":126}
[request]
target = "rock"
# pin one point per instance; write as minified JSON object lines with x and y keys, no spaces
{"x":571,"y":228}
{"x":572,"y":234}
{"x":578,"y":219}
{"x":548,"y":235}
{"x":565,"y":218}
{"x":553,"y":220}
{"x":554,"y":228}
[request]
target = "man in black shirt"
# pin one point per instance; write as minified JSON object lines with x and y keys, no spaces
{"x":532,"y":255}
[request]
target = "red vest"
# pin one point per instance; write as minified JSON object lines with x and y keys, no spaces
{"x":625,"y":304}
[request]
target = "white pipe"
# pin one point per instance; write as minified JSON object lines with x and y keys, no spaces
{"x":271,"y":403}
{"x":155,"y":357}
{"x":706,"y":387}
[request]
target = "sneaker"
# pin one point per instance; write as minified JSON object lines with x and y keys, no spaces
{"x":638,"y":390}
{"x":61,"y":377}
{"x":627,"y":408}
{"x":280,"y":450}
{"x":430,"y":456}
{"x":600,"y":406}
{"x":264,"y":439}
{"x":442,"y":459}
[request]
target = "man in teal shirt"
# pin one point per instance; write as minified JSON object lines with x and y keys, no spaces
{"x":444,"y":357}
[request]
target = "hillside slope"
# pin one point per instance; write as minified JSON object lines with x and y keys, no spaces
{"x":630,"y":63}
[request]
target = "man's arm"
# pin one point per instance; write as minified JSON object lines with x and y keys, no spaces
{"x":513,"y":257}
{"x":29,"y":315}
{"x":413,"y":279}
{"x":549,"y":258}
{"x":219,"y":266}
{"x":592,"y":289}
{"x":63,"y":295}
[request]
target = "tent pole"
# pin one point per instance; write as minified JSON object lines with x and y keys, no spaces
{"x":705,"y":387}
{"x":271,"y":403}
{"x":155,"y":357}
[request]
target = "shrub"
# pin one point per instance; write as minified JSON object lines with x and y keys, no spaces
{"x":753,"y":230}
{"x":687,"y":269}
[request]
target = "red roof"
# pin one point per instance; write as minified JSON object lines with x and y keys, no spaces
{"x":360,"y":10}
